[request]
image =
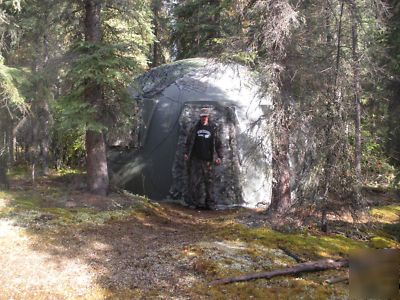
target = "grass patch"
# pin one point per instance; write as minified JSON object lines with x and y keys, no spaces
{"x":302,"y":243}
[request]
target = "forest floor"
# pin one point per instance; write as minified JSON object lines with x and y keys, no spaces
{"x":60,"y":243}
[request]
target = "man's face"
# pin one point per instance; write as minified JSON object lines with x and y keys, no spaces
{"x":204,"y":120}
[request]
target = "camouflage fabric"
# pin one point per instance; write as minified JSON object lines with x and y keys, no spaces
{"x":201,"y":172}
{"x":201,"y":183}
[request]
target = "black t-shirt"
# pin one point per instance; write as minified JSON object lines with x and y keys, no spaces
{"x":202,"y":148}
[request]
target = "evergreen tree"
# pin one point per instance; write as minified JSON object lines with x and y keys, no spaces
{"x":12,"y":101}
{"x":202,"y":27}
{"x":304,"y":53}
{"x":104,"y":62}
{"x":160,"y":49}
{"x":392,"y":40}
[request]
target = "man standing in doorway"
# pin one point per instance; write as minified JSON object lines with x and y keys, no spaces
{"x":201,"y":142}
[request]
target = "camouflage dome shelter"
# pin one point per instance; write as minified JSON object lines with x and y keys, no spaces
{"x":169,"y":98}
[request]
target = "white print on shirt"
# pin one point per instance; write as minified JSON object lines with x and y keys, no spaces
{"x":204,"y":133}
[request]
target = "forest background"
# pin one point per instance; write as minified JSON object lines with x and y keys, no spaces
{"x":332,"y":66}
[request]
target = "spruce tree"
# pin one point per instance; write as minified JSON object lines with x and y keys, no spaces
{"x":112,"y":48}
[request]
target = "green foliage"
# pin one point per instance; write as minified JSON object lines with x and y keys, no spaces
{"x":128,"y":24}
{"x":203,"y":28}
{"x":8,"y":28}
{"x":381,"y":125}
{"x":392,"y":146}
{"x":95,"y":65}
{"x":376,"y":165}
{"x":240,"y":57}
{"x":10,"y":80}
{"x":12,"y":101}
{"x":68,"y":144}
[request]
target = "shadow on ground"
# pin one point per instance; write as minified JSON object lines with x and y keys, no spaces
{"x":60,"y":243}
{"x":121,"y":242}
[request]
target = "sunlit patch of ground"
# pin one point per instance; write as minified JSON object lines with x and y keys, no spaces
{"x":57,"y":243}
{"x":26,"y":272}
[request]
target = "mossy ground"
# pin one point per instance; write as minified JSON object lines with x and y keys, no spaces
{"x":62,"y":244}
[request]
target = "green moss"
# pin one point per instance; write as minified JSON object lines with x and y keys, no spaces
{"x":19,"y":171}
{"x":387,"y":231}
{"x":300,"y":243}
{"x":380,"y":242}
{"x":276,"y":288}
{"x":393,"y":230}
{"x":386,"y":214}
{"x":5,"y":211}
{"x":28,"y":204}
{"x":69,"y":171}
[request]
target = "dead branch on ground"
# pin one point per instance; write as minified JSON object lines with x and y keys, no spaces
{"x":311,"y":266}
{"x":336,"y":279}
{"x":292,"y":255}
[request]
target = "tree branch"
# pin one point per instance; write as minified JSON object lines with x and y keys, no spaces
{"x":295,"y":257}
{"x":312,"y":266}
{"x":336,"y":279}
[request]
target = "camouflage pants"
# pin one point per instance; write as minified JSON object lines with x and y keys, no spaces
{"x":201,"y":172}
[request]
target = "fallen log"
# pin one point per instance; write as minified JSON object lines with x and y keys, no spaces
{"x":336,"y":279}
{"x":311,"y":266}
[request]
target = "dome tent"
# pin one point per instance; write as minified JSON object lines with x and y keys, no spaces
{"x":170,"y":98}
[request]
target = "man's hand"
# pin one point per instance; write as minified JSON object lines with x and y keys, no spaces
{"x":185,"y":157}
{"x":218,"y":161}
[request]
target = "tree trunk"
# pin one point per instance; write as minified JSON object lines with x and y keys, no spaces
{"x":35,"y":144}
{"x":331,"y":155}
{"x":45,"y":141}
{"x":92,"y":21}
{"x":3,"y":167}
{"x":155,"y":7}
{"x":357,"y":99}
{"x":97,"y":173}
{"x":45,"y":118}
{"x":10,"y":145}
{"x":96,"y":163}
{"x":15,"y":131}
{"x":357,"y":88}
{"x":281,"y":198}
{"x":280,"y":165}
{"x":15,"y":156}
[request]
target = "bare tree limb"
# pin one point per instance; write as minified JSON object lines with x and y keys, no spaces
{"x":336,"y":279}
{"x":292,"y":255}
{"x":312,"y":266}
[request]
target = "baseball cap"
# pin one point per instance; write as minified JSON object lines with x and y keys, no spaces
{"x":204,"y":112}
